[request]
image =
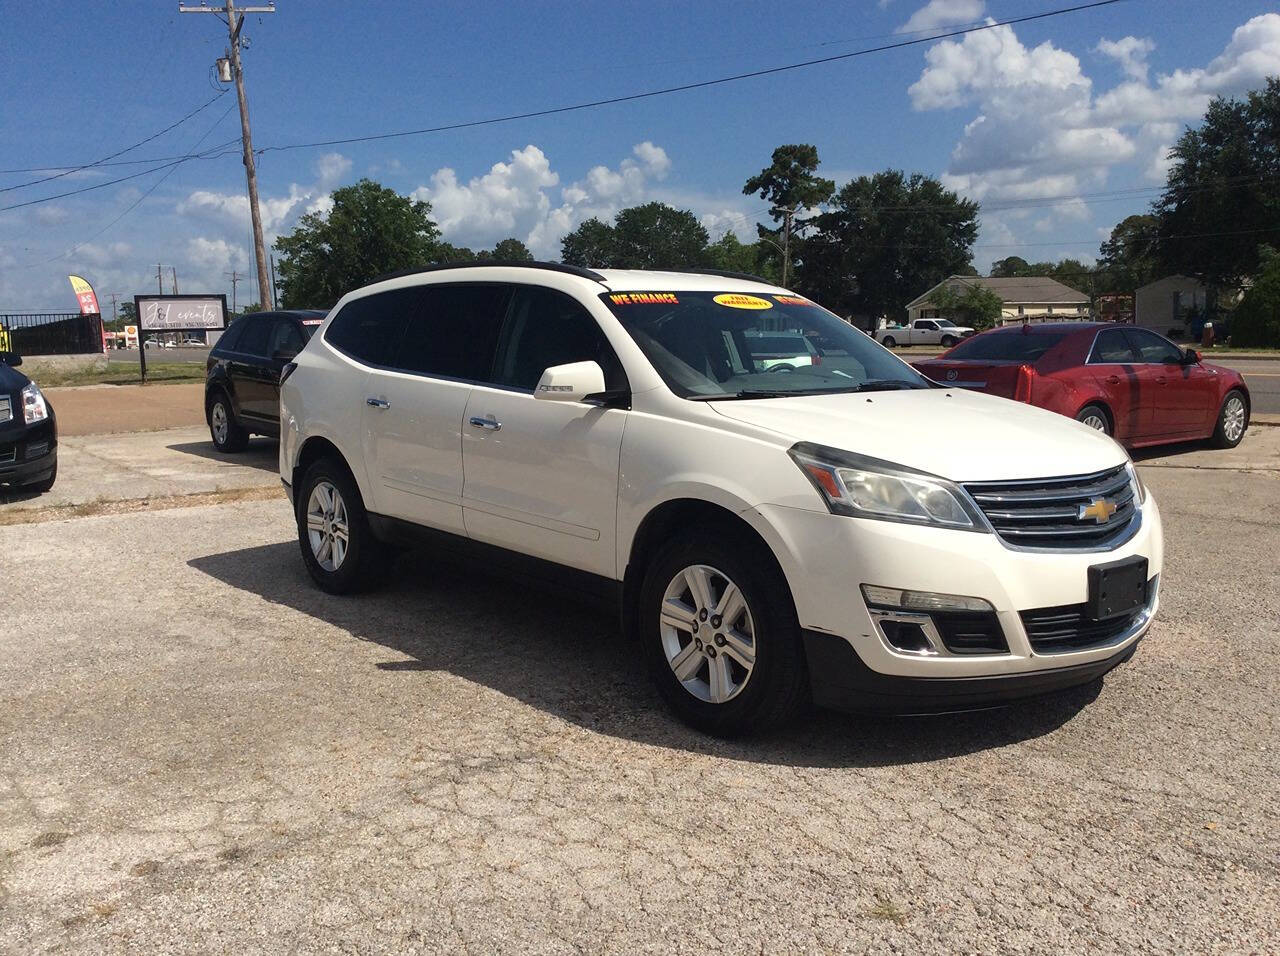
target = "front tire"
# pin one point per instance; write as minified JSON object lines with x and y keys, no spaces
{"x":338,"y":546}
{"x":1095,"y":417}
{"x":228,"y":435}
{"x":1233,"y":420}
{"x":720,"y":635}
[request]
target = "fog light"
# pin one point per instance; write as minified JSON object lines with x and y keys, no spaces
{"x":905,"y":636}
{"x":37,"y":448}
{"x":922,"y":600}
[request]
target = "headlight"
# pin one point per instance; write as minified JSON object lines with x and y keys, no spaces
{"x":34,"y":408}
{"x":1139,"y":489}
{"x":864,"y":487}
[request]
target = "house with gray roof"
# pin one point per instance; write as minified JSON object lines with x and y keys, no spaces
{"x":1025,"y":299}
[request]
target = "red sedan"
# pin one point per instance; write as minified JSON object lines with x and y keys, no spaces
{"x":1126,"y":381}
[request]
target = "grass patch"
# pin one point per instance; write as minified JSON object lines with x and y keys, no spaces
{"x":130,"y":505}
{"x":158,"y":373}
{"x":887,"y":910}
{"x":50,"y":838}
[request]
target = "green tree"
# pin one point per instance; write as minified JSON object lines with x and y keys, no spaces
{"x":590,"y":245}
{"x":790,"y":186}
{"x":509,"y":250}
{"x":125,"y":315}
{"x":732,"y":255}
{"x":1010,"y":267}
{"x":371,"y":230}
{"x":1126,"y":261}
{"x":965,"y":304}
{"x":885,"y":239}
{"x":1256,"y":320}
{"x":1221,"y":201}
{"x":652,"y":236}
{"x":448,"y":252}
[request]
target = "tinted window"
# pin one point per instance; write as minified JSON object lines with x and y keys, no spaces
{"x":1112,"y":347}
{"x":453,"y":331}
{"x":547,"y":328}
{"x":763,"y":345}
{"x":227,"y":341}
{"x":287,"y":337}
{"x":1006,"y":346}
{"x":370,"y":328}
{"x":253,"y":338}
{"x":1153,"y":348}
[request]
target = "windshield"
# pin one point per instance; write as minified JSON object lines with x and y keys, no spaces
{"x":1006,"y":346}
{"x":945,"y":323}
{"x":709,"y":345}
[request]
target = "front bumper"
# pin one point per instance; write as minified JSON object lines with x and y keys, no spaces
{"x":30,"y":453}
{"x":826,"y":558}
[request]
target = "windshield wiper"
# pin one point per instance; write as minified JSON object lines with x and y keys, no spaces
{"x":884,"y":385}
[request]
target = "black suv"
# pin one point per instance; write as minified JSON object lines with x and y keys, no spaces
{"x":28,"y":431}
{"x":242,"y":378}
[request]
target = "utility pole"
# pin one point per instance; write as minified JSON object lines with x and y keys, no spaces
{"x":274,"y":306}
{"x":235,"y":20}
{"x":174,"y":270}
{"x":234,"y":277}
{"x":159,"y":278}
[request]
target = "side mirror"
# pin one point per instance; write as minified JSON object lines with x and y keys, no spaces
{"x":1190,"y":357}
{"x":11,"y":359}
{"x":570,"y":383}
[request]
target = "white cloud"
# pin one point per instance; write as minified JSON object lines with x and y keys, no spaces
{"x":939,"y":14}
{"x":216,"y":254}
{"x":51,"y":215}
{"x":331,"y":167}
{"x":508,"y":199}
{"x":1131,"y":53}
{"x":1249,"y":58}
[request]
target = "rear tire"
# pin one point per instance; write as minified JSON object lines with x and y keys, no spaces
{"x":1095,"y":416}
{"x":1233,"y":420}
{"x":888,"y":341}
{"x":228,"y":435}
{"x":741,"y":671}
{"x":338,"y":546}
{"x":948,"y":341}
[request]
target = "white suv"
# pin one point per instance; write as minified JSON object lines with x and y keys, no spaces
{"x":846,"y":533}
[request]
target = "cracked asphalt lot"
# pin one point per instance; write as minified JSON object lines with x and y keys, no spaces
{"x":201,"y":752}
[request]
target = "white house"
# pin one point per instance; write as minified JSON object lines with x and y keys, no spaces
{"x":1164,"y":305}
{"x":1025,"y":299}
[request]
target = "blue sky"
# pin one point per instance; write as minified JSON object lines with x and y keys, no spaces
{"x":1059,"y":127}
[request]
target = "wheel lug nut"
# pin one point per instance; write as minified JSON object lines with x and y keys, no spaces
{"x":697,"y":642}
{"x":695,"y":627}
{"x":715,"y":620}
{"x":720,"y":641}
{"x":702,"y":615}
{"x":711,"y":651}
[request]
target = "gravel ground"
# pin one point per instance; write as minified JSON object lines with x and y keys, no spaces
{"x":200,"y":752}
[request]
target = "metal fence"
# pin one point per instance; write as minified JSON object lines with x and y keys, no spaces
{"x":50,"y":333}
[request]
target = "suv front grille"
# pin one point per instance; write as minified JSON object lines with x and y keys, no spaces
{"x":6,"y":408}
{"x":1048,"y":513}
{"x":1069,"y":627}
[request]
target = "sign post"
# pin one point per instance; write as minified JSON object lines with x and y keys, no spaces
{"x":176,"y":313}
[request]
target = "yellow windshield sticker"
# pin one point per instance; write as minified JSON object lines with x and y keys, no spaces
{"x":735,"y":300}
{"x":791,"y":300}
{"x":644,"y":298}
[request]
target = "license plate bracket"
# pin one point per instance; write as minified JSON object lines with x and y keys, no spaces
{"x":1117,"y":588}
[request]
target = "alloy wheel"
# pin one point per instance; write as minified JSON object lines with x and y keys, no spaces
{"x":1233,"y":417}
{"x":218,"y":418}
{"x":1096,"y":422}
{"x":708,"y":635}
{"x":328,"y":531}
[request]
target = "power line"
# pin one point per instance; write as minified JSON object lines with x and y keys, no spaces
{"x":703,"y":84}
{"x":210,"y":153}
{"x":68,"y":170}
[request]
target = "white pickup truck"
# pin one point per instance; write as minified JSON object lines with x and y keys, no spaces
{"x":923,"y":332}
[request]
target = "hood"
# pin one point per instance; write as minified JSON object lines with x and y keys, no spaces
{"x":964,"y":436}
{"x":11,"y":380}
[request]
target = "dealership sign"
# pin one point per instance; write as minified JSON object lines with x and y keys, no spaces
{"x":180,"y":313}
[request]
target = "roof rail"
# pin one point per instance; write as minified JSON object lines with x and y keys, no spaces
{"x":482,"y":263}
{"x":747,"y":276}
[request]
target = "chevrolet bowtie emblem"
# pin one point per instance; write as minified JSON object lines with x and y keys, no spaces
{"x":1099,"y":510}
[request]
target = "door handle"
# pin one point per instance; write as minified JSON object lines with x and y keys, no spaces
{"x":1113,"y":379}
{"x":489,"y":424}
{"x":377,"y":402}
{"x":1161,"y":380}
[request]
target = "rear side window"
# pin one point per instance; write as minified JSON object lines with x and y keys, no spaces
{"x":1006,"y":346}
{"x":253,"y":337}
{"x":227,"y":340}
{"x":287,"y":337}
{"x":547,"y":328}
{"x":369,"y":329}
{"x":1112,"y":348}
{"x":452,"y":331}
